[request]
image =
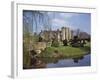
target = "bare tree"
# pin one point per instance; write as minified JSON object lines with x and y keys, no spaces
{"x":36,"y":19}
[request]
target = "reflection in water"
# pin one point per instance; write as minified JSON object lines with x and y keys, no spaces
{"x":60,"y":62}
{"x":83,"y":61}
{"x":76,"y":60}
{"x":37,"y":63}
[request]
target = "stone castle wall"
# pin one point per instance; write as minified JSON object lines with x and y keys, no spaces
{"x":66,"y":33}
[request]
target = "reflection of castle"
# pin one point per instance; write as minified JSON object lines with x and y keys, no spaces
{"x":59,"y":35}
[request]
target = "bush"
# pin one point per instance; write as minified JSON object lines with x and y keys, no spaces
{"x":65,"y":42}
{"x":55,"y":43}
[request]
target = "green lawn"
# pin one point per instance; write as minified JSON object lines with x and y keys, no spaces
{"x":66,"y":51}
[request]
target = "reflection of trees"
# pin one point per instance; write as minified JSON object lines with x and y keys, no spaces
{"x":49,"y":59}
{"x":76,"y":60}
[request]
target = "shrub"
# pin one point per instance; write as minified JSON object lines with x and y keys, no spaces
{"x":55,"y":43}
{"x":65,"y":42}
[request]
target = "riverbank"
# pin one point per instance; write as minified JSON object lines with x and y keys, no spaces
{"x":52,"y":54}
{"x":65,"y":51}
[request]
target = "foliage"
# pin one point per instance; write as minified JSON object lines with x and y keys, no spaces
{"x":55,"y":43}
{"x":77,"y":42}
{"x":40,"y":39}
{"x":36,"y":18}
{"x":65,"y":42}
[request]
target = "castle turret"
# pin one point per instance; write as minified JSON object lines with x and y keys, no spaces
{"x":63,"y":33}
{"x":66,"y":33}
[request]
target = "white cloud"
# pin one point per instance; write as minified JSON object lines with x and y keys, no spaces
{"x":59,"y":21}
{"x":68,"y":15}
{"x":63,"y":20}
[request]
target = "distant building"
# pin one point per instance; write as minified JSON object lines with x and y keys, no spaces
{"x":84,"y":35}
{"x":66,"y":33}
{"x":59,"y":35}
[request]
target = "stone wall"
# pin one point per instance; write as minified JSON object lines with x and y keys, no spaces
{"x":39,"y":46}
{"x":66,"y":33}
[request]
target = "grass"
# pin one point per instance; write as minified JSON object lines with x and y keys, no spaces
{"x":66,"y":51}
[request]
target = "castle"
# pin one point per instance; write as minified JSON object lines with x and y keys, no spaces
{"x":59,"y":35}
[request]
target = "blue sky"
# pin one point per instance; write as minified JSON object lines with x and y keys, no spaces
{"x":80,"y":21}
{"x":73,"y":20}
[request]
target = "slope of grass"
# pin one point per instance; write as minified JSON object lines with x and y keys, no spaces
{"x":66,"y":51}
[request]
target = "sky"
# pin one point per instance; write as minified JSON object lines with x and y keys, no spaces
{"x":57,"y":20}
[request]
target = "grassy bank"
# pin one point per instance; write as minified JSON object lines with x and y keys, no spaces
{"x":52,"y":54}
{"x":66,"y":51}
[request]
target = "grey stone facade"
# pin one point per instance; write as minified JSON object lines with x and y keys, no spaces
{"x":59,"y":35}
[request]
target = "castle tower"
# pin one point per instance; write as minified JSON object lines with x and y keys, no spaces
{"x":63,"y":33}
{"x":66,"y":33}
{"x":70,"y":35}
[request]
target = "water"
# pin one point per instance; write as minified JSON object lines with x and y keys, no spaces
{"x":82,"y":61}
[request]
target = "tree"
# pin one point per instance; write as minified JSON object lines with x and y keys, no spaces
{"x":74,"y":42}
{"x":36,"y":19}
{"x":65,"y":42}
{"x":55,"y":43}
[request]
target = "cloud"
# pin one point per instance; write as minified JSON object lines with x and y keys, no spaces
{"x":68,"y":15}
{"x":64,"y":19}
{"x":59,"y":22}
